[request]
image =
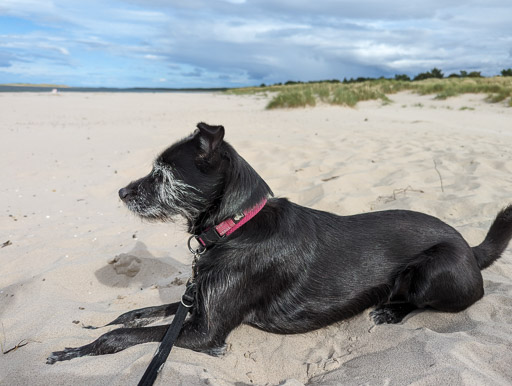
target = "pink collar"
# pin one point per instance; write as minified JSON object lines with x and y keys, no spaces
{"x":226,"y":227}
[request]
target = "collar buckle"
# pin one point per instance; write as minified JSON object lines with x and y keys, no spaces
{"x":216,"y":233}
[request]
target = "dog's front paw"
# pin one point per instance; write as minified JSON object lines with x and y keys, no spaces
{"x":64,"y":355}
{"x":216,"y":351}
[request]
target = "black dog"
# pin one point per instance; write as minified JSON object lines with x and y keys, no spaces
{"x":286,"y":268}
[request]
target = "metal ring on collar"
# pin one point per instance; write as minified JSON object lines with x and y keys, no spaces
{"x":197,"y":251}
{"x":184,"y":304}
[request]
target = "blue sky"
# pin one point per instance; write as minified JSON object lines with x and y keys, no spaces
{"x":208,"y":43}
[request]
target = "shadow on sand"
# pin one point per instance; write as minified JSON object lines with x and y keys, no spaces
{"x":140,"y":269}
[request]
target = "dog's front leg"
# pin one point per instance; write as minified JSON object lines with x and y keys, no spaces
{"x":142,"y":316}
{"x":198,"y":336}
{"x":111,"y":342}
{"x":194,"y":335}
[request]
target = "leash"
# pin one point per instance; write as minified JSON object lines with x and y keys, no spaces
{"x":164,"y":348}
{"x":205,"y":239}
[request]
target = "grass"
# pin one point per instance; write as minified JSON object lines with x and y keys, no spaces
{"x":293,"y":98}
{"x":498,"y":89}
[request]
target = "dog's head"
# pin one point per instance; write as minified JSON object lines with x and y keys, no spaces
{"x":201,"y":178}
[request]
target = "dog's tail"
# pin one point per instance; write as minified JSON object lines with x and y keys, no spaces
{"x":496,"y":240}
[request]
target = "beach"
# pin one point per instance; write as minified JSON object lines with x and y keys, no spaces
{"x":73,"y":255}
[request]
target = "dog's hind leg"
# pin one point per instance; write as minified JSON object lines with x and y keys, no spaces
{"x":448,"y":280}
{"x":397,"y":307}
{"x":446,"y":277}
{"x":142,"y":316}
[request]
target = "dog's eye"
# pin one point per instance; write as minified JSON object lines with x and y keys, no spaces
{"x":157,"y":174}
{"x":162,"y":173}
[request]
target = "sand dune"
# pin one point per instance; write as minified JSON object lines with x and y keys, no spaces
{"x":77,"y":256}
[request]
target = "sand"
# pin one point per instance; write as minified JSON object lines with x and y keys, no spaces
{"x":78,"y":256}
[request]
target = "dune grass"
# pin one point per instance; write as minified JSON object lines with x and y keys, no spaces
{"x":293,"y":98}
{"x":498,"y":89}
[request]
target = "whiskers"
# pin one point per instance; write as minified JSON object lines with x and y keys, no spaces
{"x":161,"y":196}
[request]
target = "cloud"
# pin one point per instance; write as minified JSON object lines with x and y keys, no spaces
{"x":196,"y":73}
{"x":6,"y":59}
{"x":234,"y":42}
{"x":305,"y":41}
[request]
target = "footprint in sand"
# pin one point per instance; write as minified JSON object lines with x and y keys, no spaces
{"x":125,"y":264}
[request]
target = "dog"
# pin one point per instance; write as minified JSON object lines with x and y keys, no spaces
{"x":288,"y":269}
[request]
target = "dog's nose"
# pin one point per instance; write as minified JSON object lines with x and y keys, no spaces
{"x":124,"y":193}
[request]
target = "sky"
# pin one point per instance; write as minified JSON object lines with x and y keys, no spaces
{"x":231,"y":43}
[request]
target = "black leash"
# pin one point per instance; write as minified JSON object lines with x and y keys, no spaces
{"x":164,"y":349}
{"x":165,"y":346}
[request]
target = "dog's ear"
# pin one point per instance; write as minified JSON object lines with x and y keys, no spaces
{"x":210,"y":138}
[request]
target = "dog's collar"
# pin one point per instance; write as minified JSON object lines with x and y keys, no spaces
{"x":214,"y":234}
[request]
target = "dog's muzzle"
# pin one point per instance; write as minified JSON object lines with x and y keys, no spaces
{"x":126,"y":193}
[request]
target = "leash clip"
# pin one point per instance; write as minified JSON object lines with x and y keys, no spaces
{"x":188,"y":298}
{"x":198,"y":251}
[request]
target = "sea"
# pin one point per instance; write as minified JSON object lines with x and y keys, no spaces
{"x":7,"y":88}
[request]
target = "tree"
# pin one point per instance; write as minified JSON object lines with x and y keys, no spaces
{"x":507,"y":72}
{"x":402,"y":77}
{"x":434,"y":73}
{"x":437,"y":73}
{"x":423,"y":75}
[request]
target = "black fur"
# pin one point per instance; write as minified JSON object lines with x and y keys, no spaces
{"x":292,"y":269}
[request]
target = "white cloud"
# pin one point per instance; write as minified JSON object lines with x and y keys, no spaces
{"x":261,"y":40}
